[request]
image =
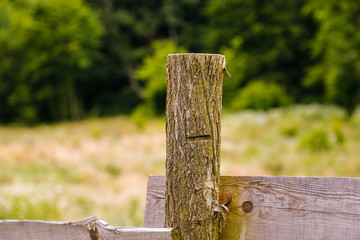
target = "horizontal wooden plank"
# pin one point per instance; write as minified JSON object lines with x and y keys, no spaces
{"x":280,"y":207}
{"x":88,"y":229}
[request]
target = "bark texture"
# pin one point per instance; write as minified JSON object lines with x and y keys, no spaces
{"x":193,"y":114}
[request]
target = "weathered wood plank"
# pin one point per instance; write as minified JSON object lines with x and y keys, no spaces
{"x":155,"y":202}
{"x":155,"y":216}
{"x":41,"y":230}
{"x":293,"y":208}
{"x":284,"y":207}
{"x":88,"y":229}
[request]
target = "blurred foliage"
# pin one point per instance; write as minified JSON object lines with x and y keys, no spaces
{"x":336,"y":48}
{"x":131,"y":27}
{"x":43,"y":46}
{"x":316,"y":140}
{"x":261,"y":40}
{"x":65,"y":60}
{"x":29,"y":202}
{"x":260,"y":95}
{"x":152,"y":72}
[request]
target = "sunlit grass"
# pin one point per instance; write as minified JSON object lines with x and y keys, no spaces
{"x":99,"y":167}
{"x":302,"y":140}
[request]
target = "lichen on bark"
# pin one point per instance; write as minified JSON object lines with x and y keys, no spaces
{"x":193,"y":118}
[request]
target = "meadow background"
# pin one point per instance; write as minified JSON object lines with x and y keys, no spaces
{"x":82,"y":96}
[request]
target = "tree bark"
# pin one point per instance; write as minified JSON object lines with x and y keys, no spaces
{"x":193,"y":114}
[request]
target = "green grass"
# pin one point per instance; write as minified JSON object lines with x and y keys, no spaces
{"x":99,"y":167}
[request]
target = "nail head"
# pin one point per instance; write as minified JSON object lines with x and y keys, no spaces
{"x":247,"y":206}
{"x":225,"y":198}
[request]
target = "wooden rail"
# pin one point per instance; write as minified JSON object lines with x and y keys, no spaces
{"x":88,"y":229}
{"x":278,"y":208}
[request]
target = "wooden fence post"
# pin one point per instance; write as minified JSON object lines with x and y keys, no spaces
{"x":193,"y":114}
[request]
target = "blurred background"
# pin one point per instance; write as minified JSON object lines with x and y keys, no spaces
{"x":82,"y":96}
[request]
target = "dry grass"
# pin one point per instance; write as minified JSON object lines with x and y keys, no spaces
{"x":99,"y":167}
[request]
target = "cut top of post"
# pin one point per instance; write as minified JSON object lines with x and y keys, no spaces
{"x":197,"y":54}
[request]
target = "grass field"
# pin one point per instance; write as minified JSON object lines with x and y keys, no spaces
{"x":99,"y":167}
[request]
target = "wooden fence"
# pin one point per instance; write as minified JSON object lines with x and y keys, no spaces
{"x":277,"y":207}
{"x":194,"y":202}
{"x":88,"y":229}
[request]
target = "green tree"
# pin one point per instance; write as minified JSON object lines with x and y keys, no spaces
{"x":43,"y":45}
{"x":152,"y":72}
{"x":261,"y":96}
{"x":262,"y":40}
{"x":131,"y":26}
{"x":336,"y":48}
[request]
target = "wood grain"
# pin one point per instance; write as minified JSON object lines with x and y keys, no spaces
{"x":284,"y":207}
{"x":193,"y":115}
{"x":155,"y":203}
{"x":88,"y":229}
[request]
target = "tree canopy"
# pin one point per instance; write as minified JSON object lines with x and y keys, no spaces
{"x":64,"y":60}
{"x":44,"y":44}
{"x":336,"y":49}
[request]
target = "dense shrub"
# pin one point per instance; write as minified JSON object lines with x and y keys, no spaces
{"x":152,"y":73}
{"x":316,"y":140}
{"x":319,"y":139}
{"x":260,"y":95}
